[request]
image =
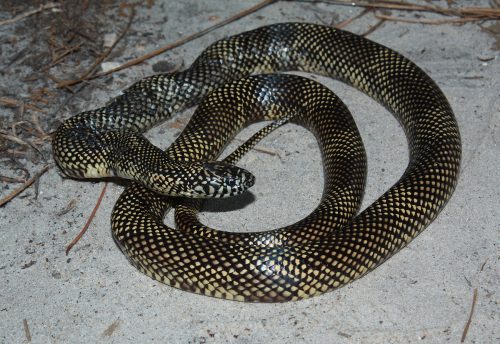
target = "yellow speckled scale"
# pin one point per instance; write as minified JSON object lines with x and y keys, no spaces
{"x":325,"y":250}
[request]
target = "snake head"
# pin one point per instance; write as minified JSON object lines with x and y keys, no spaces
{"x":217,"y":180}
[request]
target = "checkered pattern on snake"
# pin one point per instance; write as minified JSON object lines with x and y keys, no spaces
{"x":324,"y":251}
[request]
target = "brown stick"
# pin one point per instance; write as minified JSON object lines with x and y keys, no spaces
{"x":175,"y":44}
{"x":13,"y":138}
{"x":405,"y":6}
{"x":101,"y":58}
{"x":469,"y":320}
{"x":48,"y":6}
{"x":38,"y":127}
{"x":6,"y":179}
{"x":89,"y":220}
{"x":13,"y":103}
{"x":27,"y":332}
{"x":348,"y":21}
{"x":261,"y":149}
{"x":430,"y":21}
{"x":26,"y":184}
{"x":20,"y":141}
{"x":108,"y":332}
{"x":373,"y":28}
{"x":70,"y":206}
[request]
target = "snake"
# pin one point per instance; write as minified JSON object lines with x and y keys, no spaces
{"x":239,"y":80}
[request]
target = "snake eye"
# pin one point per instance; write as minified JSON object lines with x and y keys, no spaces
{"x":231,"y":182}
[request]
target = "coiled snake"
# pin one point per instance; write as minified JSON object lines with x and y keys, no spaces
{"x":325,"y":250}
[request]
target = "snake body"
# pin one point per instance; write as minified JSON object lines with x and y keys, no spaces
{"x":324,"y":251}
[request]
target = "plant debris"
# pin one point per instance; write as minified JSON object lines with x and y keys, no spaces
{"x":89,"y":220}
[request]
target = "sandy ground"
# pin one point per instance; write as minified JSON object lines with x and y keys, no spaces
{"x":423,"y":294}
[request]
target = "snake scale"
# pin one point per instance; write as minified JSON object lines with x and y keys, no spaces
{"x":325,"y":250}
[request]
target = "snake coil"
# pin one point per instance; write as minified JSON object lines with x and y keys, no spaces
{"x":325,"y":250}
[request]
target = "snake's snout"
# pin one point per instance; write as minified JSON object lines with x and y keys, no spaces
{"x":223,"y":180}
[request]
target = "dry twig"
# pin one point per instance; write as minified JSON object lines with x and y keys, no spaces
{"x":108,"y":332}
{"x":373,"y":28}
{"x":175,"y":44}
{"x":20,"y":141}
{"x":469,"y":320}
{"x":26,"y":184}
{"x":89,"y":220}
{"x":261,"y":149}
{"x":6,"y":136}
{"x":481,"y":13}
{"x":427,"y":21}
{"x":15,"y":103}
{"x":483,"y":265}
{"x":101,"y":58}
{"x":44,"y":7}
{"x":13,"y":153}
{"x":70,"y":206}
{"x":6,"y":179}
{"x":38,"y":127}
{"x":57,"y":58}
{"x":348,"y":21}
{"x":27,"y":332}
